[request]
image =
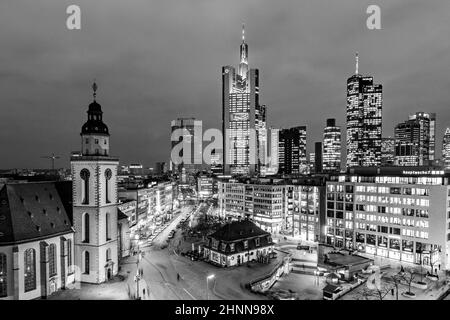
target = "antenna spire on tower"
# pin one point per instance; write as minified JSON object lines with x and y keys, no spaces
{"x":357,"y":63}
{"x":243,"y":32}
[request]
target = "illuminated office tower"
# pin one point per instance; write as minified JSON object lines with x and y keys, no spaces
{"x":412,"y":141}
{"x":292,"y":151}
{"x":387,"y":151}
{"x":427,"y":120}
{"x":364,"y":120}
{"x":243,"y":118}
{"x":446,"y":149}
{"x":331,"y":155}
{"x":270,"y":157}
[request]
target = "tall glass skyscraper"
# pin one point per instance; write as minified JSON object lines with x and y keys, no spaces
{"x":243,"y":118}
{"x":364,"y":120}
{"x":331,"y":147}
{"x":292,"y":151}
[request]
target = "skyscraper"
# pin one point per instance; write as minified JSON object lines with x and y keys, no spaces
{"x":242,"y":117}
{"x":188,"y":133}
{"x":292,"y":151}
{"x":412,"y":141}
{"x":331,"y":156}
{"x":446,"y":149}
{"x":364,"y":120}
{"x":387,"y":151}
{"x":318,"y":159}
{"x":271,"y":157}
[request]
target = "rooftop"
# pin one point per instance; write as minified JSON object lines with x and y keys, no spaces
{"x":238,"y":230}
{"x":35,"y":210}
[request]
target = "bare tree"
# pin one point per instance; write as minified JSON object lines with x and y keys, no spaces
{"x":408,"y":276}
{"x":396,"y":280}
{"x":378,"y":293}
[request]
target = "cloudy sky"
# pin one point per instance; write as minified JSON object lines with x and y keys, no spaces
{"x":158,"y":60}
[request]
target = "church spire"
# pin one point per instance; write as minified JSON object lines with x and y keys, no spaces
{"x":94,"y":89}
{"x":357,"y":63}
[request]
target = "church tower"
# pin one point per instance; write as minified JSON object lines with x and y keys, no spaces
{"x":94,"y":184}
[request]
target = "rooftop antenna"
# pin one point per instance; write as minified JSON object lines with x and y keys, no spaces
{"x":357,"y":62}
{"x":243,"y":32}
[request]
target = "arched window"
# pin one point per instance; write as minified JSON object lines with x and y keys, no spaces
{"x":86,"y":262}
{"x":69,"y":256}
{"x":86,"y":227}
{"x":107,"y":226}
{"x":85,"y":174}
{"x":3,"y":276}
{"x":30,"y":269}
{"x":108,"y":175}
{"x":52,"y":260}
{"x":108,"y":254}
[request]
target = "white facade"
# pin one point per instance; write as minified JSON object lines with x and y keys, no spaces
{"x":41,"y":279}
{"x":405,"y":217}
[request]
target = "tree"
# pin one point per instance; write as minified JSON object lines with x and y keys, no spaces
{"x":408,"y":276}
{"x":396,"y":280}
{"x":378,"y":293}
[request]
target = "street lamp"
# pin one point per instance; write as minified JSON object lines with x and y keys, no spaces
{"x":210,"y":277}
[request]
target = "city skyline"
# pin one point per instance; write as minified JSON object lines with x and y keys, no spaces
{"x":140,"y":100}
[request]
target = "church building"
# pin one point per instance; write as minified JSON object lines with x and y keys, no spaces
{"x":94,"y":182}
{"x":54,"y":234}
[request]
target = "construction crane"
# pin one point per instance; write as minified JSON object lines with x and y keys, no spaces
{"x":53,"y":158}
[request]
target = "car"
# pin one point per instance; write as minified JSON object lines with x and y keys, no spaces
{"x":302,"y":247}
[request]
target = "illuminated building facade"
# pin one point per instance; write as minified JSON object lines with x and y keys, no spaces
{"x":291,"y":205}
{"x":243,"y":118}
{"x":387,"y":152}
{"x":446,"y":149}
{"x":392,"y":212}
{"x":331,"y":155}
{"x":292,"y":151}
{"x":270,"y":164}
{"x":412,"y":140}
{"x":364,"y":120}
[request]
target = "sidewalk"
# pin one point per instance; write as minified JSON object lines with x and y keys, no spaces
{"x":115,"y":289}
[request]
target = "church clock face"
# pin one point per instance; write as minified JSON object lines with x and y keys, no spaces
{"x":108,"y":174}
{"x":84,"y":174}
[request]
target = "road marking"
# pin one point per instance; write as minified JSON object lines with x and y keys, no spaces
{"x":189,"y":294}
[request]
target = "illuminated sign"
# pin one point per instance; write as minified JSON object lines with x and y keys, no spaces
{"x":423,"y":172}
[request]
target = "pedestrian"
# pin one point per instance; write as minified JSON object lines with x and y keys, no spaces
{"x":178,"y":276}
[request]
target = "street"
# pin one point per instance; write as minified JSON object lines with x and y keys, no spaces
{"x":161,"y":264}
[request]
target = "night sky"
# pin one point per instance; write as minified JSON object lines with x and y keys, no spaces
{"x":158,"y":60}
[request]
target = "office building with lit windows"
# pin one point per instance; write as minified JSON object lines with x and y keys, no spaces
{"x":387,"y":152}
{"x":446,"y":149}
{"x":292,"y":151}
{"x":392,"y":212}
{"x":364,"y":120}
{"x":289,"y":205}
{"x":243,"y":118}
{"x":331,"y":154}
{"x":413,"y":142}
